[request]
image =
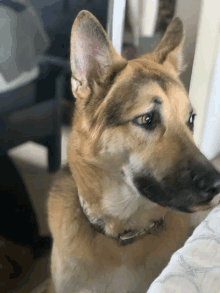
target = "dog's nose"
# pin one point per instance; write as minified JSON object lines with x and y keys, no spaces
{"x":208,"y":182}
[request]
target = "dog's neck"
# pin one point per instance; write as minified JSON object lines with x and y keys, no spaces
{"x":112,"y":206}
{"x":128,"y":236}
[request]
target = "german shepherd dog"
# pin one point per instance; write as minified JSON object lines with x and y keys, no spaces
{"x":135,"y":177}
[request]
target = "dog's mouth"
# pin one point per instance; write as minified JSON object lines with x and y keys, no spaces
{"x":182,"y":197}
{"x":204,"y":206}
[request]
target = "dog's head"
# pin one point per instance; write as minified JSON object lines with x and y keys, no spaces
{"x":134,"y":118}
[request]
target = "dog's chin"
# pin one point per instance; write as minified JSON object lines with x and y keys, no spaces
{"x":178,"y":206}
{"x":197,"y":207}
{"x":189,"y":208}
{"x":194,"y":208}
{"x":187,"y":201}
{"x":206,"y":206}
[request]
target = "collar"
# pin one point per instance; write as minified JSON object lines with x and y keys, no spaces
{"x":131,"y":236}
{"x":128,"y":237}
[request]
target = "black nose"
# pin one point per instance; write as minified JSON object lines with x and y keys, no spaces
{"x":207,"y":181}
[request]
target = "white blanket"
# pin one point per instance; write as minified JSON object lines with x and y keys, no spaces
{"x":195,"y":268}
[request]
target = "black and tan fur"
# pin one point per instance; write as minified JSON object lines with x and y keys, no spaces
{"x":132,"y":162}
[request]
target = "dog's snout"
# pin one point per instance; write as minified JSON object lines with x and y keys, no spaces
{"x":207,"y":181}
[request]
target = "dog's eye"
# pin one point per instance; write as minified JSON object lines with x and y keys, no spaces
{"x":191,"y":121}
{"x":148,"y":121}
{"x":145,"y":119}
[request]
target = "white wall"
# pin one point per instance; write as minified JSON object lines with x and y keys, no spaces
{"x":189,"y":12}
{"x":204,"y":66}
{"x":202,"y":51}
{"x":210,"y":142}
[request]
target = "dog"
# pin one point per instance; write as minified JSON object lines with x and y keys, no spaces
{"x":135,"y":179}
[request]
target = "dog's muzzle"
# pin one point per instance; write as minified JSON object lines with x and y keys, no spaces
{"x":186,"y":190}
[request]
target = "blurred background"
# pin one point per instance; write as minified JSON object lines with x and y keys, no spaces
{"x":36,"y":104}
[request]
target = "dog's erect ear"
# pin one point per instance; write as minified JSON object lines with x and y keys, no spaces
{"x":93,"y":58}
{"x":170,"y":47}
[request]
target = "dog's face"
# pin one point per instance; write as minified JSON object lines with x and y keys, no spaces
{"x":134,"y":118}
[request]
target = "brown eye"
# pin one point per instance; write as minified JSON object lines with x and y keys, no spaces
{"x":145,"y":119}
{"x":148,"y":121}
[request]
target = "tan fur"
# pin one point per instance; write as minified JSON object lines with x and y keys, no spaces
{"x":103,"y":158}
{"x":89,"y":259}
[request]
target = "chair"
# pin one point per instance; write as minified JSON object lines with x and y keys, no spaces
{"x":31,"y":104}
{"x":38,"y":122}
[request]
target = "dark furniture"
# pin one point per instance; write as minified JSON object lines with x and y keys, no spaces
{"x":38,"y":116}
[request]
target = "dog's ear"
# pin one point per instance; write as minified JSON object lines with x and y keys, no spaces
{"x":93,"y":58}
{"x":170,"y":47}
